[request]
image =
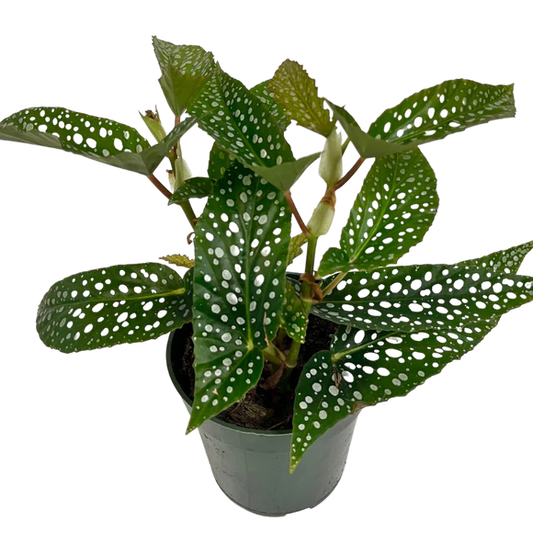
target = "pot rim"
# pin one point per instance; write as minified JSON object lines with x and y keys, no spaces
{"x":187,"y":400}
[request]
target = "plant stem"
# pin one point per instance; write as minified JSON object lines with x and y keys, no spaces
{"x":296,"y":213}
{"x":307,"y":291}
{"x":160,"y":187}
{"x":349,"y":174}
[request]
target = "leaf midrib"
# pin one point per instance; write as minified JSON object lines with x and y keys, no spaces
{"x":175,"y":292}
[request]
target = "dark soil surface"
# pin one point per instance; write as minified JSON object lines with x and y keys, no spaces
{"x":261,"y":408}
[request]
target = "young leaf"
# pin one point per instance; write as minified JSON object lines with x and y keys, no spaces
{"x":297,"y":93}
{"x":103,"y":140}
{"x":192,"y":188}
{"x":185,"y":70}
{"x":241,"y":246}
{"x":446,"y":108}
{"x":391,"y":214}
{"x":115,"y":305}
{"x":415,"y":298}
{"x":367,"y":367}
{"x":293,"y":315}
{"x":179,"y":260}
{"x":295,"y":247}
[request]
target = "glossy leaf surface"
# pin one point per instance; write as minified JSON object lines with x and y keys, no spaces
{"x":414,"y":298}
{"x":446,"y":108}
{"x":266,"y":95}
{"x":192,"y":188}
{"x":184,"y":72}
{"x":294,"y":318}
{"x":392,"y":213}
{"x":103,"y":140}
{"x":239,"y":121}
{"x":297,"y":93}
{"x":241,"y":246}
{"x":219,"y":161}
{"x":115,"y":305}
{"x":366,"y":145}
{"x":375,"y":367}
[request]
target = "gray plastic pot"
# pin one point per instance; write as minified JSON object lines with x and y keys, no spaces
{"x":252,"y":466}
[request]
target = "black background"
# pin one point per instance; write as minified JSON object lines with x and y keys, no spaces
{"x":99,"y":435}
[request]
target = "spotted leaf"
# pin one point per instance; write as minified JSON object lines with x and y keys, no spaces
{"x":507,"y":261}
{"x":446,"y":108}
{"x":414,"y":298}
{"x":115,"y":305}
{"x":103,"y":140}
{"x":192,"y":188}
{"x":322,"y":399}
{"x":295,"y":247}
{"x":367,"y":367}
{"x":184,"y":72}
{"x":239,"y":121}
{"x":241,"y":246}
{"x":366,"y":145}
{"x":391,"y":214}
{"x":219,"y":161}
{"x":294,"y":316}
{"x":297,"y":93}
{"x":266,"y":95}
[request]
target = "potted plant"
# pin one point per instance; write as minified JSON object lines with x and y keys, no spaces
{"x":275,"y":365}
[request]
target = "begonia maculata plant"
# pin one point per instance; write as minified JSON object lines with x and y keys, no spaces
{"x":396,"y":326}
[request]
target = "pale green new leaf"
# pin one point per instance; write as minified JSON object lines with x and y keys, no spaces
{"x":179,"y":260}
{"x":241,"y":245}
{"x":184,"y":72}
{"x":115,"y":305}
{"x":391,"y":214}
{"x":297,"y":93}
{"x":295,"y":247}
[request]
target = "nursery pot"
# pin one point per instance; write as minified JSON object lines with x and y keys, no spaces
{"x":252,"y":466}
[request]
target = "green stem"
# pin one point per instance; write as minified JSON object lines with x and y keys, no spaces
{"x":189,"y":213}
{"x":307,"y":291}
{"x":334,"y":283}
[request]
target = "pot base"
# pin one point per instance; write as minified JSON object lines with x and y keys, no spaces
{"x":252,"y":466}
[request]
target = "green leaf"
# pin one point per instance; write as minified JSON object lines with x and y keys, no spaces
{"x":265,"y":94}
{"x":241,"y":246}
{"x":115,"y":305}
{"x":102,"y":140}
{"x":295,"y":247}
{"x":294,"y":316}
{"x":240,"y":123}
{"x":446,"y":108}
{"x":507,"y":261}
{"x":219,"y":161}
{"x":415,"y":298}
{"x":185,"y":70}
{"x":367,"y":367}
{"x":179,"y":260}
{"x":391,"y":214}
{"x":192,"y":188}
{"x":366,"y":145}
{"x":284,"y":176}
{"x":297,"y":93}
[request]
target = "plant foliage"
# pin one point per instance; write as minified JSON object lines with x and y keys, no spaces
{"x":396,"y":325}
